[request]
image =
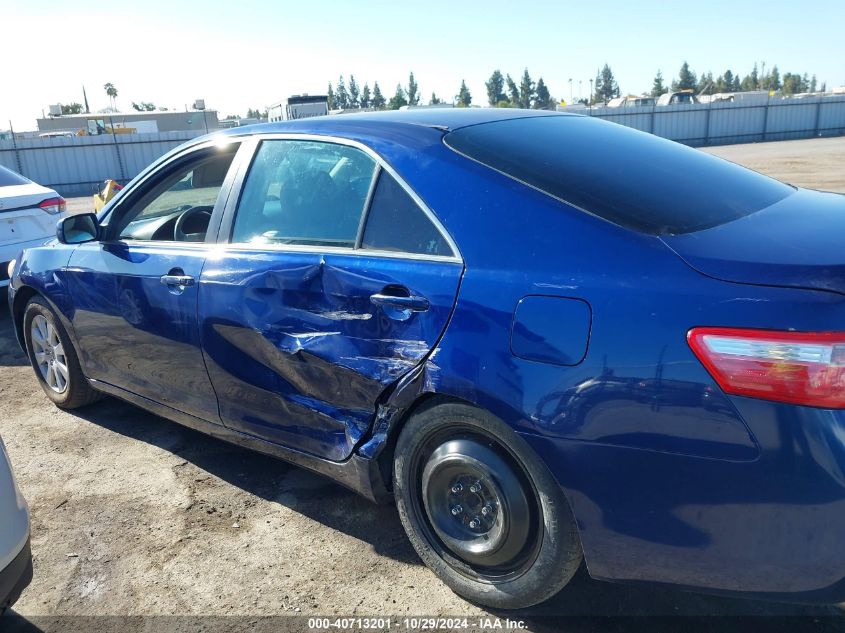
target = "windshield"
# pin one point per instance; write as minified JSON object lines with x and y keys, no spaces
{"x":630,"y":178}
{"x":8,"y":178}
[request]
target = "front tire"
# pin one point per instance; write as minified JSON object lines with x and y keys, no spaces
{"x":54,"y":358}
{"x":481,"y":509}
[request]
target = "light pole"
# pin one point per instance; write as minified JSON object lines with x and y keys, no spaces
{"x":591,"y":95}
{"x":571,"y":98}
{"x":580,"y":89}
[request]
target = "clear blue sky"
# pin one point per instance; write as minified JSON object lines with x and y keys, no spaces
{"x":241,"y":54}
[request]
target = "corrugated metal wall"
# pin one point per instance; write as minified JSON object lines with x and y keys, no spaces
{"x":725,"y":123}
{"x":74,"y":166}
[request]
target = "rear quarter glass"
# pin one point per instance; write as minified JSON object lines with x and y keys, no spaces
{"x":633,"y":179}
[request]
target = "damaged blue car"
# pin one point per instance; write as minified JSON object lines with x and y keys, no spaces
{"x":548,"y":338}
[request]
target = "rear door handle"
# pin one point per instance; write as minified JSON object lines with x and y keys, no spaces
{"x":177,"y":280}
{"x":412,"y":303}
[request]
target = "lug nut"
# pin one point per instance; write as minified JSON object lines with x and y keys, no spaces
{"x":457,"y":488}
{"x":488,"y":509}
{"x":476,"y":487}
{"x":457,"y":510}
{"x":475,"y":523}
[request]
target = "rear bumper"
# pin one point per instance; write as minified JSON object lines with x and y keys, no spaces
{"x":16,"y":577}
{"x":770,"y":528}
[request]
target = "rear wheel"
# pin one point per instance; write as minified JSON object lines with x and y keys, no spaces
{"x":54,"y":358}
{"x":481,"y":509}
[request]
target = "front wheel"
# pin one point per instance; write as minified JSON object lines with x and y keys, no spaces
{"x":54,"y":358}
{"x":481,"y":509}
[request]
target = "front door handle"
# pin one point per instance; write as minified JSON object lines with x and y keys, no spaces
{"x":412,"y":303}
{"x":177,"y":280}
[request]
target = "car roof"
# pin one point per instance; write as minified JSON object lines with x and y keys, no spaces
{"x":369,"y":123}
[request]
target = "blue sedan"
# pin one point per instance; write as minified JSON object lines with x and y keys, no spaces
{"x":549,"y":338}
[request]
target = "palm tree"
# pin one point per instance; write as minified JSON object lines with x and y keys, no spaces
{"x":111,"y":91}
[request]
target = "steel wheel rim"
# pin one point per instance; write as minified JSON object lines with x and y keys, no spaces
{"x":48,"y":354}
{"x":475,"y":564}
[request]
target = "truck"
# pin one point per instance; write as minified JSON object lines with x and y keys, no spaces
{"x":299,"y":107}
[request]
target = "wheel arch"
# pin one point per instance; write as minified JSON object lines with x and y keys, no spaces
{"x":23,"y":295}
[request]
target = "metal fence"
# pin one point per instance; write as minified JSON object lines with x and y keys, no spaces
{"x":74,"y":166}
{"x":724,"y":123}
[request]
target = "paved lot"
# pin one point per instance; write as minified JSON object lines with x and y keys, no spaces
{"x":134,"y":515}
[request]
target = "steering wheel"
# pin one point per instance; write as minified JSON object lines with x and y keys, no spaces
{"x":188,"y":221}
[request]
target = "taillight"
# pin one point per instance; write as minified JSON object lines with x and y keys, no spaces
{"x":54,"y":205}
{"x":805,"y":368}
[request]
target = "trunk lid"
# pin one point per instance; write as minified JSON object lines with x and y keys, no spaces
{"x":21,"y":219}
{"x":796,"y":242}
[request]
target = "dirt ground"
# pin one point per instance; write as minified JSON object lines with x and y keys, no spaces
{"x":814,"y":163}
{"x":134,"y":515}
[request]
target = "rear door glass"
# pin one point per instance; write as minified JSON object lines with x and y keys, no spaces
{"x":396,"y":223}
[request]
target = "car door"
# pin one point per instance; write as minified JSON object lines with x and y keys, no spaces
{"x":135,"y":290}
{"x":310,"y":312}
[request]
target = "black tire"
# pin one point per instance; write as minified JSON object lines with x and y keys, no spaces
{"x":543,"y":547}
{"x":77,"y":390}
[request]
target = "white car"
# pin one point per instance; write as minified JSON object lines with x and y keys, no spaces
{"x":15,"y":557}
{"x":28,"y":216}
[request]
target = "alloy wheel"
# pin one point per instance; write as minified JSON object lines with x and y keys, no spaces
{"x":49,"y":353}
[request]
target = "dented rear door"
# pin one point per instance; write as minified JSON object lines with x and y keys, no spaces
{"x":299,"y":351}
{"x":333,"y":280}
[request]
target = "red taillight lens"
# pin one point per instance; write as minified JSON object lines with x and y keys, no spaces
{"x":54,"y":205}
{"x":797,"y":367}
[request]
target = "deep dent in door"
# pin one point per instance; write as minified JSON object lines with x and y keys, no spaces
{"x":304,"y":348}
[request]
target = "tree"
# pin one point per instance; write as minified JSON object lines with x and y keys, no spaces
{"x":543,"y":100}
{"x":256,"y":114}
{"x":526,"y":90}
{"x":606,"y":86}
{"x":72,"y":108}
{"x":791,"y":84}
{"x":378,"y":98}
{"x":413,"y":91}
{"x":755,"y":79}
{"x":398,"y":100}
{"x":330,"y":97}
{"x":144,"y":106}
{"x":774,"y":79}
{"x":111,"y":91}
{"x":495,"y":88}
{"x":686,"y":79}
{"x":657,"y":88}
{"x":728,"y":81}
{"x":341,"y":97}
{"x":705,"y":84}
{"x":365,"y":96}
{"x":434,"y":99}
{"x":463,"y":98}
{"x":513,"y":91}
{"x":813,"y":84}
{"x":354,"y":93}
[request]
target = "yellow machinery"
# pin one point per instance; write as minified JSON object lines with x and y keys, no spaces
{"x":110,"y":187}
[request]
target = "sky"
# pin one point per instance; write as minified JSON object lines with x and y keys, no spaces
{"x":246,"y":54}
